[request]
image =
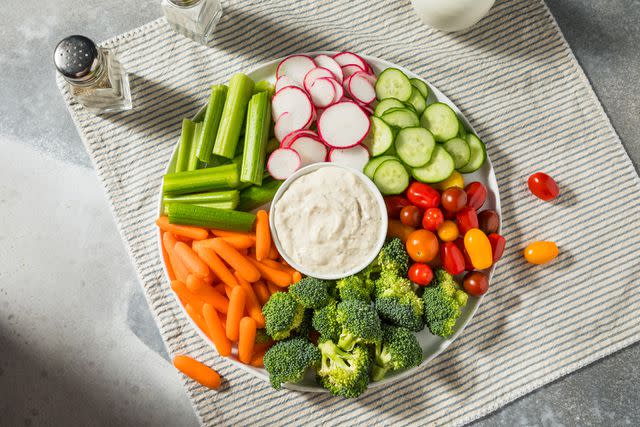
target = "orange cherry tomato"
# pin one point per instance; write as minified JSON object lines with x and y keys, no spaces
{"x":540,"y":252}
{"x":422,"y":245}
{"x":448,"y":231}
{"x":397,"y":229}
{"x":479,"y":248}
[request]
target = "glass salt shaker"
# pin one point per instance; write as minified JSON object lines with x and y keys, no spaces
{"x":96,"y":79}
{"x":195,"y":19}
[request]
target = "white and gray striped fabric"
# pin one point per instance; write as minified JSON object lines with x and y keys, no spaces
{"x":517,"y":81}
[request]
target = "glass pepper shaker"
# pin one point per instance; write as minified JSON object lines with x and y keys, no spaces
{"x":195,"y":19}
{"x":95,"y":77}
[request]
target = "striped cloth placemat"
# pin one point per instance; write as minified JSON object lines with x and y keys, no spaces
{"x":517,"y":81}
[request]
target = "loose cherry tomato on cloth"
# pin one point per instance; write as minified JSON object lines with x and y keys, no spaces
{"x":423,"y":196}
{"x":541,"y":252}
{"x":479,"y":248}
{"x":497,"y":245}
{"x":454,"y":199}
{"x":476,"y":195}
{"x":422,"y":245}
{"x":420,"y":273}
{"x":454,"y":180}
{"x":452,"y":258}
{"x":448,"y":231}
{"x":394,"y":205}
{"x":410,"y":215}
{"x":466,"y":219}
{"x":475,"y":283}
{"x":543,"y":186}
{"x":488,"y":221}
{"x":397,"y":229}
{"x":467,"y":261}
{"x":432,"y":219}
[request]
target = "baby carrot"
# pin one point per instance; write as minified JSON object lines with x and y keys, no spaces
{"x":191,"y":260}
{"x":220,"y":288}
{"x":275,"y":264}
{"x":197,"y":318}
{"x":227,"y":290}
{"x":239,"y":242}
{"x":263,"y":236}
{"x":235,"y":312}
{"x":262,"y":292}
{"x":186,"y":296}
{"x":167,"y":261}
{"x":215,"y":298}
{"x":236,"y":260}
{"x":197,"y":371}
{"x":273,"y":251}
{"x":194,"y":283}
{"x":216,"y":330}
{"x":296,"y":276}
{"x":273,"y":288}
{"x":195,"y":233}
{"x":214,"y":262}
{"x":208,"y":295}
{"x":257,"y":359}
{"x":180,"y":270}
{"x":227,"y":233}
{"x":252,"y":305}
{"x":247,"y":336}
{"x":279,"y":277}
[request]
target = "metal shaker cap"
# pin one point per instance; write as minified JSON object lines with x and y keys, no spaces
{"x":76,"y":58}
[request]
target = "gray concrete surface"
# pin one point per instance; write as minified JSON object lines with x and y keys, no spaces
{"x":77,"y":342}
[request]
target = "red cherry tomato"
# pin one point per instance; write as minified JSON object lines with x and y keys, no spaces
{"x":466,"y":219}
{"x":543,"y":186}
{"x":475,"y":283}
{"x":476,"y":195}
{"x":394,"y":205}
{"x":454,"y":199}
{"x":488,"y":221}
{"x":423,"y":196}
{"x":432,"y":219}
{"x":410,"y":215}
{"x":497,"y":245}
{"x":468,"y":266}
{"x":448,"y":215}
{"x":452,"y":258}
{"x":420,"y":273}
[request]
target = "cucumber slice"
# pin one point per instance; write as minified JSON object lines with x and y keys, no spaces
{"x":439,"y":168}
{"x":401,"y":118}
{"x":421,"y":86}
{"x":441,"y":120}
{"x":417,"y":101}
{"x":372,"y":165}
{"x":391,"y":177}
{"x":415,"y":146}
{"x":387,"y":104}
{"x":380,"y":137}
{"x":478,"y":154}
{"x":462,"y":133}
{"x":410,"y":106}
{"x":393,"y":83}
{"x":459,"y":150}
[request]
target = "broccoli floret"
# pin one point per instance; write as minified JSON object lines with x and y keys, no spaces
{"x":360,"y":324}
{"x":262,"y":337}
{"x":305,"y":326}
{"x":397,"y":303}
{"x":282,"y":315}
{"x":287,"y":360}
{"x":355,"y":287}
{"x":393,"y":258}
{"x":399,"y":350}
{"x":443,"y":300}
{"x":311,"y":292}
{"x":344,"y":373}
{"x":326,"y":323}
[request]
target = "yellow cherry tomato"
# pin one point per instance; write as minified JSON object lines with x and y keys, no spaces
{"x":479,"y":248}
{"x":448,"y":231}
{"x":540,"y":252}
{"x":454,"y":180}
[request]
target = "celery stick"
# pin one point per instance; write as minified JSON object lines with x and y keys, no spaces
{"x":185,"y":214}
{"x":264,"y":86}
{"x":254,"y":196}
{"x":235,"y":108}
{"x":194,"y":163}
{"x":218,"y":205}
{"x":211,"y":121}
{"x":200,"y":198}
{"x":210,"y":179}
{"x":256,"y":138}
{"x":186,"y":137}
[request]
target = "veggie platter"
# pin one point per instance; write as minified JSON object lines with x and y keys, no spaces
{"x":245,"y":278}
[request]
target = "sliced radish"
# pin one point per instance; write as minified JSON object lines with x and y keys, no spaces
{"x":339,"y":91}
{"x":283,"y":162}
{"x":315,"y":74}
{"x":367,"y":109}
{"x":291,"y":137}
{"x":322,"y":93}
{"x":310,"y":150}
{"x":295,"y":67}
{"x":361,"y":89}
{"x":354,"y":157}
{"x":286,"y":124}
{"x":350,"y":69}
{"x":296,"y":102}
{"x":370,"y":77}
{"x":330,"y":64}
{"x":343,"y":125}
{"x":283,"y":82}
{"x":349,"y":58}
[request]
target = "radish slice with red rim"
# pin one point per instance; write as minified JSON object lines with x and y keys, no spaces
{"x":370,"y":77}
{"x":291,"y":137}
{"x":354,"y":157}
{"x":330,"y":64}
{"x":367,"y":109}
{"x":350,"y":58}
{"x":295,"y":67}
{"x":283,"y":82}
{"x":339,"y":91}
{"x":310,"y":150}
{"x":283,"y":162}
{"x":343,"y":125}
{"x":361,"y":89}
{"x":296,"y":102}
{"x":315,"y":74}
{"x":349,"y":70}
{"x":322,"y":93}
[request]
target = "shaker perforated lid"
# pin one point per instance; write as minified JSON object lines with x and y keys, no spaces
{"x":76,"y":57}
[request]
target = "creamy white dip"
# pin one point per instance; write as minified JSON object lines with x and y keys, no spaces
{"x":328,"y":221}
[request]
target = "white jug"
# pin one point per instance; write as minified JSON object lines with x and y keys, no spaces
{"x":451,"y":15}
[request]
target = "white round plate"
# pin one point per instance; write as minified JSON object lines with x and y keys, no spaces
{"x":431,"y":345}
